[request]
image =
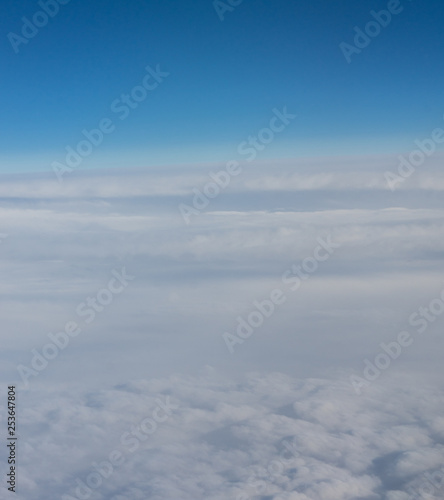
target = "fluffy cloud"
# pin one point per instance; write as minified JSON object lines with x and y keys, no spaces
{"x":264,"y":436}
{"x":290,"y":429}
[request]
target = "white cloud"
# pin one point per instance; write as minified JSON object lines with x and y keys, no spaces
{"x":191,"y":284}
{"x":225,"y":438}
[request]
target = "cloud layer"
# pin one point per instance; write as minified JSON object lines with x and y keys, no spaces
{"x":264,"y":436}
{"x":232,"y":433}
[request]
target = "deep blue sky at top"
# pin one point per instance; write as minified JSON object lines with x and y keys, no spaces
{"x":225,"y":79}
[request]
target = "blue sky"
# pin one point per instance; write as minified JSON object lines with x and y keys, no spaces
{"x":225,"y":78}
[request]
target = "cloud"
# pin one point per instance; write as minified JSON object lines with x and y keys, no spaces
{"x":270,"y":435}
{"x":232,"y":434}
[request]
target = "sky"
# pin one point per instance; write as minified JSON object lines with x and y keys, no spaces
{"x":224,"y":79}
{"x":230,"y":285}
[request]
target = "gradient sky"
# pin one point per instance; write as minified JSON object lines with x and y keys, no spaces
{"x":225,"y":78}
